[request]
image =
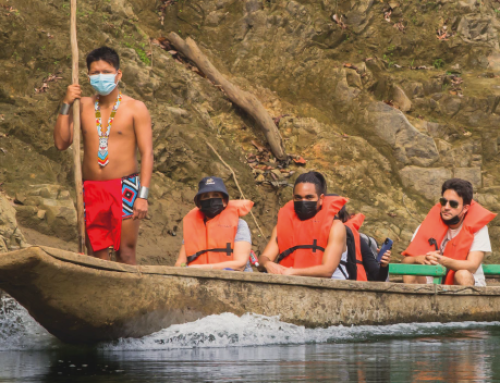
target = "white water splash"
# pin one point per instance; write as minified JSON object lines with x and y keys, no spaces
{"x":229,"y":330}
{"x":19,"y":331}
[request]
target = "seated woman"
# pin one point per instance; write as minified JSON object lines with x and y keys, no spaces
{"x":215,"y":236}
{"x":375,"y":272}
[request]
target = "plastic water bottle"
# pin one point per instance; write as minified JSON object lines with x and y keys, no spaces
{"x":253,"y":259}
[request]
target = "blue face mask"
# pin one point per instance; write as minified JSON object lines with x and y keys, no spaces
{"x":103,"y":83}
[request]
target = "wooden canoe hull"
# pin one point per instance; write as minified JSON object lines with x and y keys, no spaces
{"x":80,"y":299}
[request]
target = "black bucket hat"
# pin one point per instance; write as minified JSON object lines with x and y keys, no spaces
{"x":211,"y":184}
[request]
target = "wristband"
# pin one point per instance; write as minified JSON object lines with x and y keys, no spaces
{"x":65,"y":109}
{"x":143,"y":192}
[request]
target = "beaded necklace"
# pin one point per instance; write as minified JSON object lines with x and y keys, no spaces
{"x":102,"y":154}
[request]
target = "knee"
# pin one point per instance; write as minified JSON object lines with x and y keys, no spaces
{"x":464,"y":278}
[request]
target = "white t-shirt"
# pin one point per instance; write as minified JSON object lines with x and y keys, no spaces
{"x":481,"y":242}
{"x":337,"y":274}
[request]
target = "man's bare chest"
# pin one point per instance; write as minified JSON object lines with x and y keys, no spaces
{"x":122,"y":124}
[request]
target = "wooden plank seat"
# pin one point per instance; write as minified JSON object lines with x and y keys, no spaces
{"x":491,"y":269}
{"x":437,"y":271}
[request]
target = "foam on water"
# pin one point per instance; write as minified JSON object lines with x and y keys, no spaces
{"x":18,"y":331}
{"x":229,"y":330}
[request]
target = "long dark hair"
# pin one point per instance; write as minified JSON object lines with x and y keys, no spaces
{"x":315,"y":178}
{"x":343,"y":214}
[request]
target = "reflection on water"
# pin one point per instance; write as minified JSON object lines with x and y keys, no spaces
{"x":253,"y":348}
{"x":464,"y":356}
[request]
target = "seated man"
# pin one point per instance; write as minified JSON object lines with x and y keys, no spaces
{"x":215,"y":237}
{"x":457,"y":224}
{"x":308,"y":240}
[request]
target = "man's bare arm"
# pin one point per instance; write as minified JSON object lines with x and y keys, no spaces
{"x":182,"y":257}
{"x":331,"y":256}
{"x":63,"y":131}
{"x":270,"y":255}
{"x":144,"y":136}
{"x":471,"y":264}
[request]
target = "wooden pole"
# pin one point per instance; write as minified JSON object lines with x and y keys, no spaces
{"x":76,"y":137}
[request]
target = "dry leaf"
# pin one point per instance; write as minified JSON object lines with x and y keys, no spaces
{"x":258,"y":146}
{"x":338,"y":20}
{"x":299,"y":160}
{"x":387,"y":16}
{"x":399,"y":26}
{"x":42,"y":89}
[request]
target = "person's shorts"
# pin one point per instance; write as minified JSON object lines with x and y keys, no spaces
{"x":106,"y":204}
{"x":477,"y":282}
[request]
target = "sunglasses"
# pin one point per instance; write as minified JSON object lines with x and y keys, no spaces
{"x":444,"y":201}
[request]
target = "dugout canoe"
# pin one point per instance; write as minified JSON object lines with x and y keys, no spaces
{"x":80,"y":299}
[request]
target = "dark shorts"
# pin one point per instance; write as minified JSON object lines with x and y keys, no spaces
{"x":106,"y":204}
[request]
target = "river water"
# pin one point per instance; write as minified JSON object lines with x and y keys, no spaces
{"x":252,"y":348}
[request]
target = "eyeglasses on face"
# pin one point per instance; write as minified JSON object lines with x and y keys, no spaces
{"x":453,"y":204}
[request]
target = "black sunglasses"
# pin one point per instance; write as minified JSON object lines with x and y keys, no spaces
{"x":444,"y":201}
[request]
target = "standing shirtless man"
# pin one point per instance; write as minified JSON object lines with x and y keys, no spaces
{"x":113,"y":126}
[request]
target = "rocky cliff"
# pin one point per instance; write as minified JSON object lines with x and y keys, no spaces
{"x":387,"y":99}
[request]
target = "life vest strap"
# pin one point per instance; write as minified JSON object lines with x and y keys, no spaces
{"x":342,"y":269}
{"x":289,"y":251}
{"x":195,"y":256}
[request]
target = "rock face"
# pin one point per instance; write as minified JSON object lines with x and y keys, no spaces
{"x":382,"y":107}
{"x":11,"y":237}
{"x":49,"y":209}
{"x":427,"y":181}
{"x":408,"y":144}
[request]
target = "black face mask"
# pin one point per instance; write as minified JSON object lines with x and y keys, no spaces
{"x":211,"y":207}
{"x":305,"y":209}
{"x":452,"y":221}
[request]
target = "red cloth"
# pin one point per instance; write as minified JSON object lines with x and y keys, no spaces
{"x":103,"y":213}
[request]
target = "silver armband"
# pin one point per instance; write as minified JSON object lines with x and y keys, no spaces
{"x":143,"y":192}
{"x":65,"y":109}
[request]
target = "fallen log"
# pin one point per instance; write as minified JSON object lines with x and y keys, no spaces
{"x":244,"y":100}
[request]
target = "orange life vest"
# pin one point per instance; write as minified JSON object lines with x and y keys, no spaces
{"x":354,"y":223}
{"x":213,"y":241}
{"x":302,"y":243}
{"x":457,"y":248}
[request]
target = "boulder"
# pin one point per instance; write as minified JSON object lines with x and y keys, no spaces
{"x":473,"y":175}
{"x":450,"y":105}
{"x":489,"y":201}
{"x":476,"y":27}
{"x":400,"y":99}
{"x":123,"y":9}
{"x":48,"y":209}
{"x":426,"y":181}
{"x":11,"y":237}
{"x":409,"y":145}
